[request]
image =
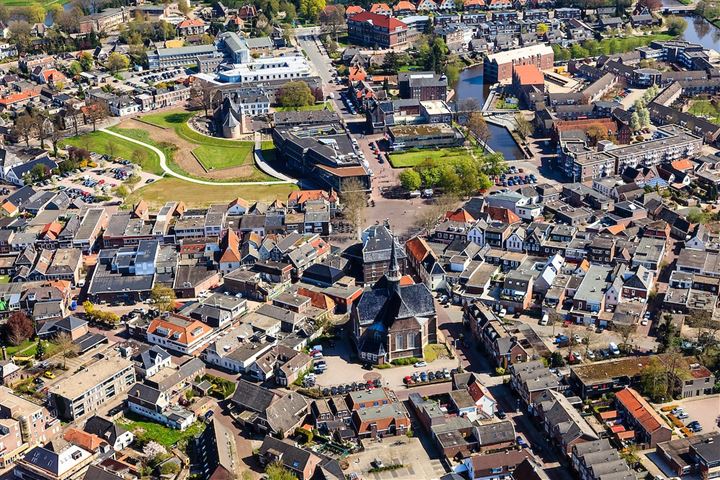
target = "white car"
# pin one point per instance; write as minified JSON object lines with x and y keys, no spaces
{"x":644,"y":321}
{"x":420,"y":364}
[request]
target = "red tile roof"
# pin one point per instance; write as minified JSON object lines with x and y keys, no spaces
{"x":404,"y":5}
{"x":191,"y":22}
{"x":382,"y":21}
{"x":353,"y":10}
{"x":682,"y":165}
{"x":379,"y":7}
{"x":640,"y":409}
{"x":503,"y":215}
{"x":460,"y":215}
{"x":529,"y":75}
{"x":417,"y":248}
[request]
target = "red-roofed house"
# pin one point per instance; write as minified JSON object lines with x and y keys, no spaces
{"x":230,"y":259}
{"x":191,"y":26}
{"x":460,"y":215}
{"x":353,"y":10}
{"x":474,"y":5}
{"x":357,"y":74}
{"x":504,"y":215}
{"x":19,"y":99}
{"x":372,"y":29}
{"x":682,"y":165}
{"x":381,"y":9}
{"x":641,"y":417}
{"x":403,"y":7}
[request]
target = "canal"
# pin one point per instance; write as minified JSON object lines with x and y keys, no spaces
{"x":470,"y":85}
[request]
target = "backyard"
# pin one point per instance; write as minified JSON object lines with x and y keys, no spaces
{"x":146,"y":431}
{"x":174,"y":189}
{"x":705,"y":108}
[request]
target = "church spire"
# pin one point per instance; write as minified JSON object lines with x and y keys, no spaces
{"x":393,"y":274}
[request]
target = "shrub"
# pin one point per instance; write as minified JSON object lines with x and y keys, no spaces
{"x":306,"y":435}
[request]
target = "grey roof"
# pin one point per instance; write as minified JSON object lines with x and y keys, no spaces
{"x":104,"y":428}
{"x":191,"y":50}
{"x":286,"y":412}
{"x":145,"y":393}
{"x":385,"y":305}
{"x":44,"y":458}
{"x":252,"y":397}
{"x":149,"y":356}
{"x":494,"y":433}
{"x":378,"y":245}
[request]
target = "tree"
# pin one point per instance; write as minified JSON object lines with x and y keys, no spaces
{"x":96,"y":111}
{"x":436,"y":57}
{"x":20,"y":34}
{"x":184,"y":7}
{"x":524,"y":128}
{"x":163,"y":298}
{"x":40,"y":349}
{"x":391,"y":64}
{"x":310,"y":9}
{"x":410,"y":180}
{"x":295,"y":94}
{"x":354,"y":201}
{"x":153,"y":449}
{"x":202,"y":95}
{"x":19,"y":327}
{"x":634,"y":122}
{"x":116,"y":61}
{"x":675,"y":25}
{"x":43,"y":128}
{"x":36,"y":13}
{"x":169,"y":468}
{"x":557,"y":360}
{"x":644,"y":117}
{"x":277,"y":472}
{"x":626,"y":333}
{"x":86,"y":60}
{"x":122,"y":191}
{"x":477,"y":125}
{"x":542,"y":29}
{"x":596,"y":133}
{"x":56,"y":134}
{"x":133,"y":179}
{"x":66,"y":347}
{"x":25,"y":127}
{"x":331,"y":18}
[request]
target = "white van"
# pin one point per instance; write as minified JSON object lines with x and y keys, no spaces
{"x":545,"y":319}
{"x":614,"y":348}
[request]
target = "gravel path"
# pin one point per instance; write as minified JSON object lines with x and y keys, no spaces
{"x":168,"y":171}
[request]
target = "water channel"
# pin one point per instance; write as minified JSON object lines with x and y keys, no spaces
{"x":470,"y":85}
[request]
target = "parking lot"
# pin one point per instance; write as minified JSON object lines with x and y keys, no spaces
{"x":704,"y":409}
{"x":342,"y":369}
{"x":92,"y":184}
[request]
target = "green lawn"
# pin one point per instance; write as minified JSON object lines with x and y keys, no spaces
{"x":27,"y":3}
{"x":705,"y":108}
{"x":4,"y":278}
{"x":217,"y":158}
{"x":146,"y":431}
{"x":168,"y":119}
{"x":307,"y":108}
{"x":173,"y":189}
{"x":106,"y":144}
{"x":415,"y":157}
{"x":20,"y":349}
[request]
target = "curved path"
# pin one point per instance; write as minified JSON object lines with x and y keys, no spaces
{"x":168,"y":171}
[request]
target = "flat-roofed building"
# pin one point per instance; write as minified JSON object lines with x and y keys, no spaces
{"x":499,"y":67}
{"x":93,"y":386}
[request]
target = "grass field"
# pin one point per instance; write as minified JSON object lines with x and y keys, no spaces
{"x":19,"y":349}
{"x":413,"y":158}
{"x":173,"y":189}
{"x":217,"y":158}
{"x":705,"y":108}
{"x":213,"y":153}
{"x":105,"y":144}
{"x":27,"y":3}
{"x":146,"y":431}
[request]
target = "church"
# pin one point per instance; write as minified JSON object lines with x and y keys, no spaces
{"x":395,"y":318}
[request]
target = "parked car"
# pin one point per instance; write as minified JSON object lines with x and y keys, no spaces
{"x":420,"y":364}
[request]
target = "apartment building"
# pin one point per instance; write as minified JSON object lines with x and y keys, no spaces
{"x":34,"y":423}
{"x":375,"y":30}
{"x":499,"y":66}
{"x":92,"y":387}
